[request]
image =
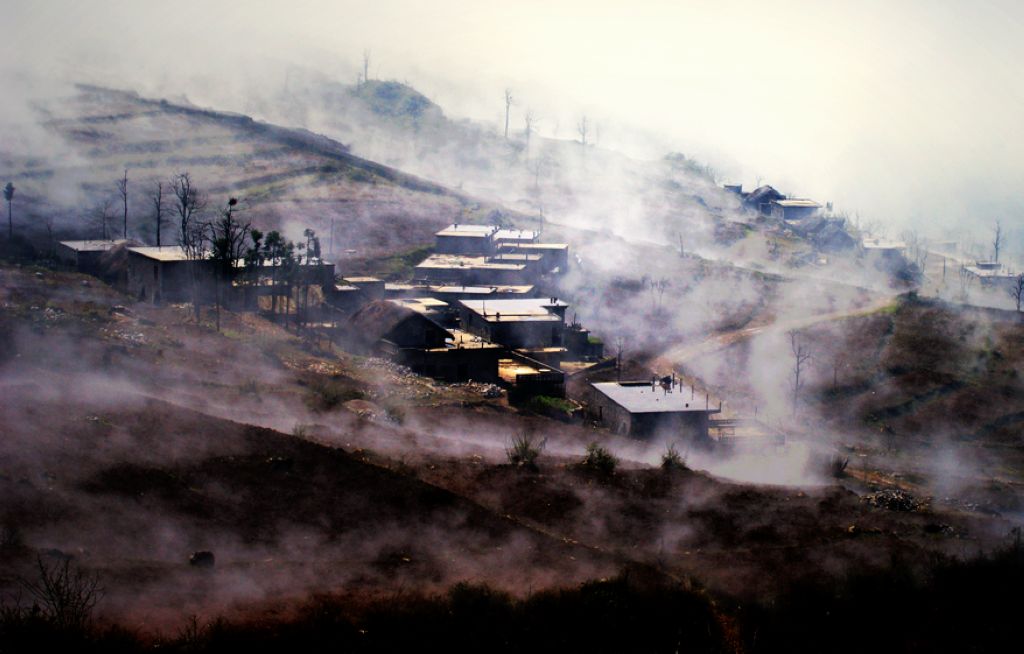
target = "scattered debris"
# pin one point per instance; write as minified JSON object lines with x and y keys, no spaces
{"x":894,"y":500}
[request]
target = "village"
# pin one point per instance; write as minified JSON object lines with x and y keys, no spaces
{"x":482,"y":307}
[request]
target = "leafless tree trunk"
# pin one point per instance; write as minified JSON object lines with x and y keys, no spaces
{"x":193,"y":235}
{"x":530,"y":121}
{"x":581,"y":129}
{"x":122,"y":190}
{"x":158,"y":209}
{"x":966,"y":279}
{"x":229,"y":238}
{"x":801,"y":354}
{"x":9,"y":197}
{"x":997,"y":240}
{"x":916,"y":248}
{"x":620,"y":346}
{"x":1017,"y":290}
{"x":366,"y":66}
{"x":101,"y":215}
{"x":508,"y":108}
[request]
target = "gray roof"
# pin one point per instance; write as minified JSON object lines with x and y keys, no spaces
{"x":640,"y":397}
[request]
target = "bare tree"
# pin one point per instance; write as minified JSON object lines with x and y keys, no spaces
{"x":530,"y":119}
{"x":966,"y":279}
{"x":508,"y":108}
{"x":64,"y":595}
{"x":917,"y":249}
{"x":101,"y":215}
{"x":122,"y":190}
{"x":366,"y":66}
{"x":9,"y":196}
{"x":997,"y":240}
{"x":193,"y":232}
{"x":1017,"y":290}
{"x":188,"y":204}
{"x":801,"y":355}
{"x":620,"y":346}
{"x":157,"y":198}
{"x":581,"y":129}
{"x":229,"y":240}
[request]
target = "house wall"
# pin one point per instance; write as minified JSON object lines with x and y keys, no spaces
{"x":453,"y":365}
{"x":516,"y":333}
{"x":474,"y":245}
{"x":417,"y":332}
{"x":793,"y":213}
{"x":150,"y":280}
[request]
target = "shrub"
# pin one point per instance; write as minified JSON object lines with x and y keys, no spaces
{"x":523,"y":452}
{"x":63,"y":595}
{"x":553,"y":407}
{"x":326,"y":394}
{"x":598,"y":459}
{"x":672,"y":459}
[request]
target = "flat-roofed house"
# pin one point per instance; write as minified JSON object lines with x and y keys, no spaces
{"x":510,"y":236}
{"x":465,"y":239}
{"x":652,"y":409}
{"x":794,"y":209}
{"x":992,"y":274}
{"x":403,"y":331}
{"x":555,"y":256}
{"x":165,"y":274}
{"x":467,"y":270}
{"x":384,"y":320}
{"x":882,"y":253}
{"x":517,"y":324}
{"x":84,"y":256}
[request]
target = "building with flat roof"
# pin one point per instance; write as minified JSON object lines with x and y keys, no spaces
{"x":521,"y":323}
{"x":508,"y":236}
{"x":793,"y":209}
{"x":992,"y":274}
{"x":555,"y":256}
{"x":84,"y":256}
{"x":460,"y":238}
{"x":652,"y":409}
{"x":166,"y":274}
{"x":467,"y":270}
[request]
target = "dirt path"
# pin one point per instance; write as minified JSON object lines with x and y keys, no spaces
{"x":675,"y":357}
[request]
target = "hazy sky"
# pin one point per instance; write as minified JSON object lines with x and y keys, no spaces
{"x":898,"y":110}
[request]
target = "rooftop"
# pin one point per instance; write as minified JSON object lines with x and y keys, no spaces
{"x":462,"y":339}
{"x":524,"y":309}
{"x":516,"y":235}
{"x":161,"y":253}
{"x":482,"y":290}
{"x":873,"y":243}
{"x":642,"y":397}
{"x":424,"y":305}
{"x":809,"y":204}
{"x":463,"y":261}
{"x":93,"y":246}
{"x":472,"y":231}
{"x":515,"y":256}
{"x":362,"y":280}
{"x":536,"y":246}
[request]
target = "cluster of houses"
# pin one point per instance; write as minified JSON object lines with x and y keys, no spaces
{"x":473,"y":311}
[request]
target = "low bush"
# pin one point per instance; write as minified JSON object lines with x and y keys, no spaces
{"x":598,"y":459}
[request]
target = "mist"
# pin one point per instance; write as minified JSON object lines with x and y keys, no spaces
{"x":902,"y":114}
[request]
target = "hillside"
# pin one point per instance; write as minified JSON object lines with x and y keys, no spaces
{"x":310,"y":470}
{"x":583,"y":186}
{"x":287,"y":179}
